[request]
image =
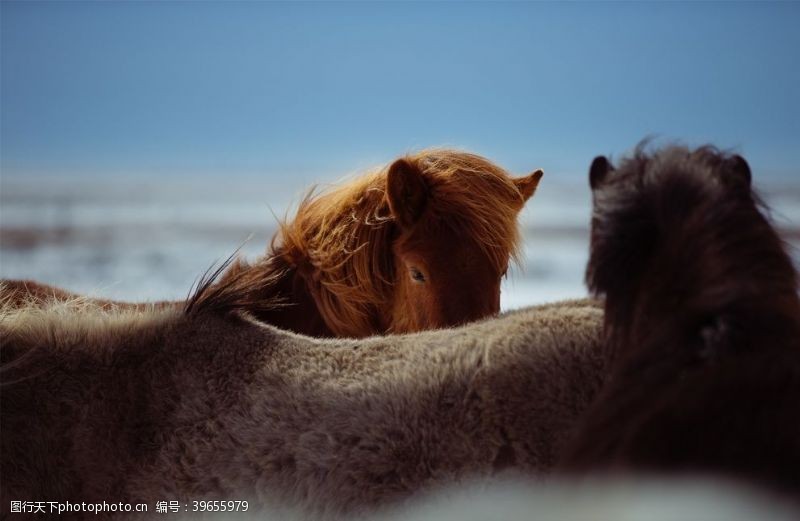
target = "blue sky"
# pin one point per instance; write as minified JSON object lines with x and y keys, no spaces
{"x":190,"y":88}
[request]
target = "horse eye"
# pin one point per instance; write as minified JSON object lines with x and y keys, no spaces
{"x":416,"y":275}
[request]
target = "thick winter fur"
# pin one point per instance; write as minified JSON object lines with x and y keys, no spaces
{"x":121,"y":405}
{"x":702,"y":316}
{"x":418,"y":244}
{"x":23,"y":293}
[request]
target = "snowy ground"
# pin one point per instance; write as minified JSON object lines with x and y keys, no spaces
{"x":150,"y":239}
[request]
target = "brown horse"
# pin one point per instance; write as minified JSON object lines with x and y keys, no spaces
{"x":419,"y":244}
{"x":149,"y":406}
{"x":702,"y":318}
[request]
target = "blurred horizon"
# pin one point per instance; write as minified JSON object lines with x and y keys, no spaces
{"x":141,"y":141}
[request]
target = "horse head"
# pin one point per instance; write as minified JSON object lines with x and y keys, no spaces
{"x":455,"y":230}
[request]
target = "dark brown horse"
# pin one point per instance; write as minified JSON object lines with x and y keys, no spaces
{"x":419,"y":244}
{"x":702,"y":319}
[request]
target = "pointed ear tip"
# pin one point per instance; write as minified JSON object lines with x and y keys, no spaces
{"x":741,"y":162}
{"x":403,"y":168}
{"x":401,"y":163}
{"x":742,"y":167}
{"x":531,"y":178}
{"x":598,"y":170}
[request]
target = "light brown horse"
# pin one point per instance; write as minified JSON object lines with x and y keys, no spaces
{"x":421,"y":243}
{"x":124,"y":405}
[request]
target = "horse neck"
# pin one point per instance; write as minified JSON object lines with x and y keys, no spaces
{"x":275,"y":279}
{"x":342,"y":268}
{"x":728,"y":262}
{"x":336,"y":314}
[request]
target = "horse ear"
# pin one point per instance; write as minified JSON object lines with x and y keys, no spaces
{"x":527,"y":184}
{"x":739,"y":167}
{"x":406,"y":192}
{"x":598,"y":171}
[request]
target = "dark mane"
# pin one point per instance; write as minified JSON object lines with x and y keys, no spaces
{"x":236,"y":285}
{"x":702,"y":320}
{"x":684,"y":215}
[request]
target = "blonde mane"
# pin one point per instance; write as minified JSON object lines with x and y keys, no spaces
{"x":340,"y":240}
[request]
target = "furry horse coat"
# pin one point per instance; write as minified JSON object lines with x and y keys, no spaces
{"x":702,"y":319}
{"x":102,"y":405}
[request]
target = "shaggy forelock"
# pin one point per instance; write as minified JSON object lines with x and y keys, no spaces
{"x":477,"y":199}
{"x":339,"y":238}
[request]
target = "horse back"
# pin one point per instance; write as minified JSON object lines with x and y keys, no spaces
{"x":22,"y":293}
{"x":77,"y":412}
